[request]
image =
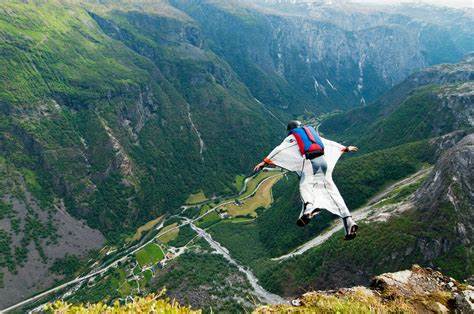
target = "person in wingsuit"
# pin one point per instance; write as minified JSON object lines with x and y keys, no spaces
{"x":313,"y":158}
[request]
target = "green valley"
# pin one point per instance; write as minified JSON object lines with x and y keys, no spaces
{"x":129,"y":129}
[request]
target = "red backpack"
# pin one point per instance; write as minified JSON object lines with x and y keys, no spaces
{"x":309,"y":142}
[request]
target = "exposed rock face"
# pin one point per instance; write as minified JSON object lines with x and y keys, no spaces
{"x":47,"y":234}
{"x":309,"y":54}
{"x":447,"y":73}
{"x":443,"y":74}
{"x":465,"y":301}
{"x":427,"y":290}
{"x":430,"y":103}
{"x":76,"y":239}
{"x":451,"y":182}
{"x":417,"y":290}
{"x":432,"y":226}
{"x":458,"y":100}
{"x":153,"y":94}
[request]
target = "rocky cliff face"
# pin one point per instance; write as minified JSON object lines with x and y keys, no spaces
{"x":431,"y":102}
{"x":113,"y":112}
{"x":427,"y":222}
{"x":417,"y":290}
{"x":451,"y":184}
{"x":310,"y":54}
{"x":443,"y":74}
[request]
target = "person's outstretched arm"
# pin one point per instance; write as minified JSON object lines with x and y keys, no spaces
{"x":350,"y":149}
{"x":259,"y":166}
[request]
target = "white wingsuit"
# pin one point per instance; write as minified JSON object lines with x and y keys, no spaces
{"x":317,"y":188}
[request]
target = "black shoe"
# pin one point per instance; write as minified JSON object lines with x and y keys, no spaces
{"x":350,"y":228}
{"x":306,"y":218}
{"x":303,"y":220}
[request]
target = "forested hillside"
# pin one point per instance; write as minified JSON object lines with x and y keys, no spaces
{"x":321,"y":56}
{"x":430,"y":226}
{"x":115,"y":129}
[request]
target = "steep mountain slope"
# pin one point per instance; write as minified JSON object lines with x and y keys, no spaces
{"x":109,"y":129}
{"x":432,"y":102}
{"x":113,"y":112}
{"x":362,"y":177}
{"x":308,"y":55}
{"x":415,"y":290}
{"x":194,"y":278}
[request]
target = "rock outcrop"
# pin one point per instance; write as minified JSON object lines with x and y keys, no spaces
{"x":451,"y":182}
{"x":417,"y":290}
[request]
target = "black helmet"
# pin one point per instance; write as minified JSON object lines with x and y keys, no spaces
{"x":293,"y":124}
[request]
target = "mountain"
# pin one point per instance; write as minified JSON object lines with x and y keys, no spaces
{"x":407,"y":291}
{"x":108,"y":129}
{"x":118,"y":115}
{"x":420,"y":219}
{"x":432,"y":102}
{"x":392,"y":191}
{"x":313,"y":56}
{"x":415,"y":290}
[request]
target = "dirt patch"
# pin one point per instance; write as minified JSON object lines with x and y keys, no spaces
{"x":75,"y":238}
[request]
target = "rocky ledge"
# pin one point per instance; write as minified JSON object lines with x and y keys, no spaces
{"x":418,"y":290}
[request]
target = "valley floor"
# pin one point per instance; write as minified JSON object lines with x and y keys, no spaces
{"x":142,"y":266}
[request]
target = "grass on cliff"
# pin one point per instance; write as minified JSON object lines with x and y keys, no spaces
{"x":358,"y":301}
{"x":148,"y":304}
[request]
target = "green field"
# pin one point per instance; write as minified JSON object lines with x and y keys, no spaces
{"x":166,"y":235}
{"x":149,"y":255}
{"x":209,"y":220}
{"x":147,"y":274}
{"x":144,"y":228}
{"x":252,"y":184}
{"x":239,"y":182}
{"x":136,"y":270}
{"x":196,"y":198}
{"x":263,"y":198}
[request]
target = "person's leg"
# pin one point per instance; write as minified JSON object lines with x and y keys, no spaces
{"x":338,"y":206}
{"x":306,"y":196}
{"x":350,"y":228}
{"x":312,"y":176}
{"x":340,"y":209}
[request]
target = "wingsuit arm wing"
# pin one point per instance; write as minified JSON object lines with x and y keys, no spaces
{"x":332,"y":152}
{"x":286,"y":155}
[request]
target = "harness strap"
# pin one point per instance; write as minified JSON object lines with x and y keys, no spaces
{"x":299,"y":140}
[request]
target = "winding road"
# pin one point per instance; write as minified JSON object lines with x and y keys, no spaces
{"x":130,"y":251}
